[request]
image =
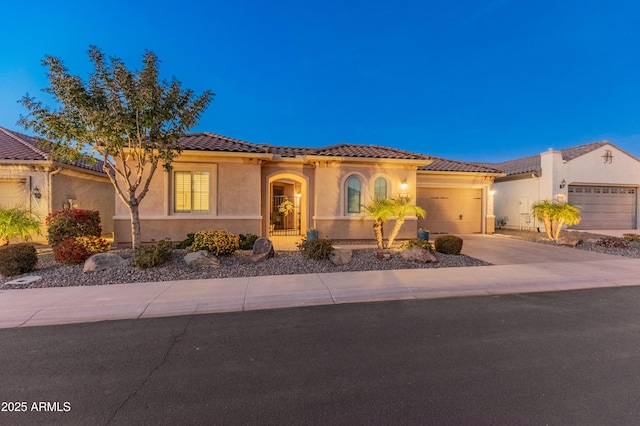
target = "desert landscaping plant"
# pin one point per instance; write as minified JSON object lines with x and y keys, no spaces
{"x":219,"y":243}
{"x":17,"y":259}
{"x":554,"y":215}
{"x":417,"y":243}
{"x":448,"y":244}
{"x":402,"y":208}
{"x":78,"y":249}
{"x":380,"y":210}
{"x":247,"y":241}
{"x":69,"y":223}
{"x":17,"y":222}
{"x":634,"y":238}
{"x":154,"y":255}
{"x":316,"y":249}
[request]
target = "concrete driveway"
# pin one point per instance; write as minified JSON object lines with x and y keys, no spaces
{"x":501,"y":250}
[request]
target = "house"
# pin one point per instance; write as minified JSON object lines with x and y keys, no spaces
{"x":30,"y":178}
{"x":599,"y":177}
{"x":223,"y":183}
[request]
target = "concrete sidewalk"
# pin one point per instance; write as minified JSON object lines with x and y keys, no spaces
{"x":33,"y":307}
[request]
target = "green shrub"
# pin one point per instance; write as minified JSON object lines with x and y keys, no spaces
{"x":17,"y":259}
{"x":78,"y":249}
{"x":634,"y":238}
{"x":155,"y":255}
{"x":219,"y":243}
{"x":417,"y":243}
{"x":316,"y":249}
{"x":68,"y":223}
{"x":247,"y":241}
{"x":448,"y":244}
{"x":17,"y":222}
{"x":613,"y":242}
{"x":187,"y":242}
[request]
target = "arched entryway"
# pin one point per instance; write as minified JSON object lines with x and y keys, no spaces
{"x":286,"y":205}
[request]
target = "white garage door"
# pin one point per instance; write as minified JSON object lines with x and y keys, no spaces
{"x":604,"y":207}
{"x":451,"y":210}
{"x":12,"y":192}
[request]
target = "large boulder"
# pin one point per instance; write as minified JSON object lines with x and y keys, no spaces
{"x":340,"y":256}
{"x":262,"y":249}
{"x":201,"y":258}
{"x":418,"y":254}
{"x":102,"y":261}
{"x":568,"y":240}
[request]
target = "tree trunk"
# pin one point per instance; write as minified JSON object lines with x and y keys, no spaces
{"x":378,"y":230}
{"x":548,"y":226}
{"x":558,"y":228}
{"x":395,"y":231}
{"x":135,"y":226}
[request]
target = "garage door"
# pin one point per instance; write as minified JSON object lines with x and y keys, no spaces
{"x":12,"y":192}
{"x":451,"y":210}
{"x":604,"y":207}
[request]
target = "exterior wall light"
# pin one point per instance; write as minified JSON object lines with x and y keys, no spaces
{"x":563,"y":183}
{"x":36,"y":193}
{"x":404,"y":185}
{"x":492,"y":192}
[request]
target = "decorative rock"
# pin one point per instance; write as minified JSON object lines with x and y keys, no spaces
{"x":202,"y":258}
{"x":383,"y":255}
{"x":568,"y":240}
{"x":101,"y":261}
{"x":262,"y":249}
{"x":341,"y":256}
{"x":418,"y":254}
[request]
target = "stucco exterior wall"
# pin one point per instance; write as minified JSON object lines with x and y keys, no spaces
{"x":513,"y":201}
{"x":234,"y":200}
{"x":87,"y":192}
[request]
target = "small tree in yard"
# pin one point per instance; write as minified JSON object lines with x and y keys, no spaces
{"x":380,"y":211}
{"x":554,"y":215}
{"x":129,"y":120}
{"x":401,"y":208}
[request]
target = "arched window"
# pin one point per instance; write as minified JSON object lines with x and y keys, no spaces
{"x":380,"y":189}
{"x":354,"y":194}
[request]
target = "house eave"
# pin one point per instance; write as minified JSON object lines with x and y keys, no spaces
{"x":343,"y":159}
{"x":452,"y":172}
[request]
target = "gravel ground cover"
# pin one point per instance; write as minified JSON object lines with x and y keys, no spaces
{"x":238,"y":265}
{"x":589,"y":241}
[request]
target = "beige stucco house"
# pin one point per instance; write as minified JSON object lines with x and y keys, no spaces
{"x":599,"y":177}
{"x":29,"y":178}
{"x":223,"y":183}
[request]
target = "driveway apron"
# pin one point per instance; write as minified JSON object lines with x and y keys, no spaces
{"x":501,"y":250}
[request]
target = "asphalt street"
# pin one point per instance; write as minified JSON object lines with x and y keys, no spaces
{"x":562,"y":358}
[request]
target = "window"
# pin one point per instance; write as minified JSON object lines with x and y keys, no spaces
{"x":354,"y":191}
{"x":191,"y":192}
{"x":380,"y":189}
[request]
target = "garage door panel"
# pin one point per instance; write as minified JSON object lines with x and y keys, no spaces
{"x":451,"y":210}
{"x":12,"y":193}
{"x":604,"y":207}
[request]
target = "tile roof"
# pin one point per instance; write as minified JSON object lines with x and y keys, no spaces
{"x":444,"y":165}
{"x":367,"y":151}
{"x":212,"y":142}
{"x":532,"y":164}
{"x":19,"y":147}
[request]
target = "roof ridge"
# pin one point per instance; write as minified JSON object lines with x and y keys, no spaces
{"x":14,"y":136}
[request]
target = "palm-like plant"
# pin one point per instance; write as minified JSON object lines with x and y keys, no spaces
{"x":17,"y":222}
{"x":554,"y":215}
{"x":380,"y":211}
{"x":402,"y":207}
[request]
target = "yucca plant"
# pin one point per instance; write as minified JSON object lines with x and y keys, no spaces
{"x":17,"y":222}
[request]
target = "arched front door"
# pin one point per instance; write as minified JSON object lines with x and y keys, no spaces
{"x":285,"y":205}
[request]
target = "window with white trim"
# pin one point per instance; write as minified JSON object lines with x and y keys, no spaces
{"x":190,"y":192}
{"x":354,"y":194}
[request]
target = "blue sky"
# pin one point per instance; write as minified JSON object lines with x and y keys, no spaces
{"x":465,"y":80}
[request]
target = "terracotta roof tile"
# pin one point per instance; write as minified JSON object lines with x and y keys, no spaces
{"x":367,"y":151}
{"x":444,"y":165}
{"x":20,"y":147}
{"x":213,"y":142}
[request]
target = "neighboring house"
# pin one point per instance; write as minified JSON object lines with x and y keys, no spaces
{"x":599,"y":177}
{"x":223,"y":183}
{"x":29,"y":178}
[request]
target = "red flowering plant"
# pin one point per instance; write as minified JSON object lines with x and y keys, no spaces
{"x":68,"y":223}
